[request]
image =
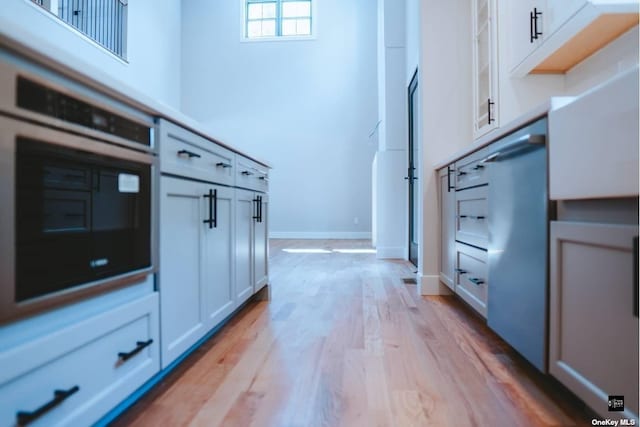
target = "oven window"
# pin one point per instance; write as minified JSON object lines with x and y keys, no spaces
{"x":80,"y":217}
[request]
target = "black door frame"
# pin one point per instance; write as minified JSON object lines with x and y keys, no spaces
{"x":411,"y":169}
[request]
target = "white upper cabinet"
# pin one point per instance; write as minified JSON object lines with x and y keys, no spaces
{"x":552,"y":36}
{"x":526,"y":24}
{"x":485,"y":67}
{"x":559,"y":11}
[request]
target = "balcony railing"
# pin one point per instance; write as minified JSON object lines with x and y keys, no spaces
{"x":102,"y":20}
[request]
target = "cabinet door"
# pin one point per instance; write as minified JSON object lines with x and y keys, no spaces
{"x":245,"y":211}
{"x":522,"y":37}
{"x":447,"y":226}
{"x":181,"y":295}
{"x":593,"y":347}
{"x":261,"y":244}
{"x":485,"y":108}
{"x":559,"y":11}
{"x":217,"y":253}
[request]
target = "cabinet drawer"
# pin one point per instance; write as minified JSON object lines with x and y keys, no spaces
{"x":251,"y":175}
{"x":470,"y":171}
{"x":186,"y":154}
{"x":471,"y":277}
{"x":471,"y":218}
{"x":98,"y":363}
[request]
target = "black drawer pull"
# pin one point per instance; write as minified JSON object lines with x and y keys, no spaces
{"x":263,"y":178}
{"x":139,"y":346}
{"x":462,"y":216}
{"x":24,"y":418}
{"x":478,"y":167}
{"x":476,"y":281}
{"x":188,"y":153}
{"x":461,"y":271}
{"x":449,"y":186}
{"x":247,"y":173}
{"x":223,"y":165}
{"x":461,"y":173}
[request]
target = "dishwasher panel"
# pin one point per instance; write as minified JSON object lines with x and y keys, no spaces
{"x":518,"y":235}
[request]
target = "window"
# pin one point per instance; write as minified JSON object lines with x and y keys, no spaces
{"x":277,"y":18}
{"x":104,"y":21}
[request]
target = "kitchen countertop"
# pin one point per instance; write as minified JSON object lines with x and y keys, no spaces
{"x":530,"y":116}
{"x":61,"y":61}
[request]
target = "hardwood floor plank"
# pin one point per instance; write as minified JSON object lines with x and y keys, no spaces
{"x":344,"y":342}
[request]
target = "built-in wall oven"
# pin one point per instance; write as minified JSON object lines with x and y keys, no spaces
{"x":76,"y":177}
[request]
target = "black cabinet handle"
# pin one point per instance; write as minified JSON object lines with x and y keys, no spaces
{"x":24,"y":418}
{"x":223,"y":165}
{"x":212,"y":221}
{"x":139,"y":346}
{"x":258,"y":202}
{"x":635,"y":276}
{"x":449,"y":186}
{"x":461,"y":173}
{"x":477,"y":167}
{"x":534,"y":34}
{"x":476,"y":281}
{"x":263,"y":178}
{"x":531,"y":18}
{"x":247,"y":173}
{"x":489,"y":105}
{"x":460,"y":271}
{"x":190,"y":154}
{"x":462,"y":216}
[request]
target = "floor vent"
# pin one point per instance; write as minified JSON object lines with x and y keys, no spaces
{"x":409,"y":281}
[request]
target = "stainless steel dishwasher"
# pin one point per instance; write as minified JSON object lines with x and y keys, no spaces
{"x":518,"y":233}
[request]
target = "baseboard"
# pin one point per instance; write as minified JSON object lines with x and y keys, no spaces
{"x":320,"y":235}
{"x":431,"y":285}
{"x":390,"y":252}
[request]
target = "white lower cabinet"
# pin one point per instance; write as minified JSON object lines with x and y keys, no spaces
{"x":260,"y":243}
{"x":593,"y":348}
{"x":75,"y":376}
{"x":251,"y":243}
{"x":196,"y":244}
{"x":447,"y":225}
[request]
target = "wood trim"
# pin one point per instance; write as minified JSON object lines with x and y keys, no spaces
{"x":595,"y":36}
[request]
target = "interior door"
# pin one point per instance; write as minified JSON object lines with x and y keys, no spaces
{"x":412,"y":170}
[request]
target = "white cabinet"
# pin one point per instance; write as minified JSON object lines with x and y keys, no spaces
{"x":485,"y":67}
{"x":74,"y":376}
{"x":526,"y":22}
{"x":195,"y":261}
{"x":261,"y":243}
{"x":245,"y":211}
{"x":562,"y":33}
{"x":447,"y":225}
{"x":559,"y":11}
{"x":593,"y":348}
{"x":251,"y":243}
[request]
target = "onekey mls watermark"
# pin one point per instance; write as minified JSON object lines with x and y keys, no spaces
{"x":615,"y":404}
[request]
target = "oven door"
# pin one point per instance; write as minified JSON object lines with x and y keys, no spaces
{"x":76,"y":219}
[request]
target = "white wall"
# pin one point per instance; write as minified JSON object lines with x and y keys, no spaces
{"x":445,"y":109}
{"x":153,"y":55}
{"x":307,"y":107}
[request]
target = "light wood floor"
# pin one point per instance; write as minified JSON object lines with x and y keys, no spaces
{"x":344,"y":342}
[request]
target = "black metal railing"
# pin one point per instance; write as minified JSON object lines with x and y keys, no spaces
{"x":102,"y":20}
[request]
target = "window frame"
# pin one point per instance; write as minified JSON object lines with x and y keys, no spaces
{"x":278,"y":18}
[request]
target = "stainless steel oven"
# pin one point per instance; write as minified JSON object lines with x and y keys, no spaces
{"x":76,"y":200}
